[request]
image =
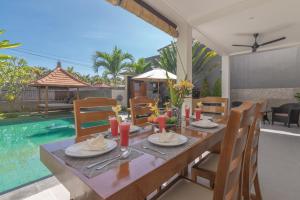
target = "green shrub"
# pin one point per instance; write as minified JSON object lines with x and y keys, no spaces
{"x":205,"y":88}
{"x":217,"y":90}
{"x":297,"y":96}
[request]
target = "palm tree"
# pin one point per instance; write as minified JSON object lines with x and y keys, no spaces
{"x":202,"y":60}
{"x":138,"y":67}
{"x":167,"y":59}
{"x":113,"y":63}
{"x":5,"y":44}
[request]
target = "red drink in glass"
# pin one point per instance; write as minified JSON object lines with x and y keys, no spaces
{"x":198,"y":114}
{"x":169,"y":113}
{"x":162,"y":122}
{"x":187,"y":112}
{"x":124,"y":135}
{"x":113,"y":126}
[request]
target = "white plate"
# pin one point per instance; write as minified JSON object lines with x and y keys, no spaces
{"x":132,"y":129}
{"x":77,"y":150}
{"x":179,"y":140}
{"x":203,"y":117}
{"x":204,"y":124}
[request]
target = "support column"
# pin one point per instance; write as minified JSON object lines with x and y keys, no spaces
{"x":184,"y":56}
{"x":226,"y":77}
{"x":78,"y":94}
{"x":39,"y":99}
{"x":46,"y":102}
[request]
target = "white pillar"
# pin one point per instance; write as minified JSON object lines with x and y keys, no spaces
{"x":225,"y":77}
{"x":184,"y":55}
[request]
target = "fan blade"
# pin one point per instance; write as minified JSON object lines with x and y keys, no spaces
{"x":272,"y":41}
{"x":241,"y":45}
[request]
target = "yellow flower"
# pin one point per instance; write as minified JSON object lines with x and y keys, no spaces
{"x":154,"y":108}
{"x":117,"y":109}
{"x":199,"y":104}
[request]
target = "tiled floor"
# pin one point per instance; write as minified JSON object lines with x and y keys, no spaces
{"x":279,"y":164}
{"x":57,"y":192}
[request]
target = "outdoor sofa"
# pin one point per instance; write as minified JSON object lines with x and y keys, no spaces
{"x":287,"y":114}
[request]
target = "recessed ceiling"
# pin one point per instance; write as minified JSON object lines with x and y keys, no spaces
{"x":228,"y":22}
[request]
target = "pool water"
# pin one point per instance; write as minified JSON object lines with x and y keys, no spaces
{"x":19,"y":148}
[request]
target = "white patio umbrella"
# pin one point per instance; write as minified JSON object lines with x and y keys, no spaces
{"x":156,"y":75}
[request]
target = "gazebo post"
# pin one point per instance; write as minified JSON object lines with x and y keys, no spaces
{"x":46,"y":101}
{"x":39,"y":99}
{"x":77,"y":93}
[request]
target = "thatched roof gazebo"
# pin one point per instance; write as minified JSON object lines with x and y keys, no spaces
{"x":59,"y":78}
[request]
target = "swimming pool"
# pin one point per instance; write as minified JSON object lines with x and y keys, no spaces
{"x":19,"y":148}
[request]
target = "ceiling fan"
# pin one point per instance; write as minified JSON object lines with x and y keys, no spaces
{"x":255,"y":45}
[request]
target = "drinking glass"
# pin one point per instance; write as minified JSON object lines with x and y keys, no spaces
{"x":161,"y":119}
{"x":187,"y":112}
{"x":124,"y":135}
{"x":169,"y":113}
{"x":113,"y":126}
{"x":198,"y":114}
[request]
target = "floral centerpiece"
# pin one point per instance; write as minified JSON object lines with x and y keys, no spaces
{"x":179,"y":91}
{"x":116,"y":109}
{"x":155,"y":112}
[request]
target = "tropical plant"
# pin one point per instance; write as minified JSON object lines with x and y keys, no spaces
{"x":167,"y":58}
{"x":15,"y":75}
{"x":204,"y":92}
{"x":217,"y":90}
{"x":5,"y":44}
{"x":297,"y":96}
{"x":203,"y":64}
{"x":202,"y":60}
{"x":138,"y":67}
{"x":113,"y":63}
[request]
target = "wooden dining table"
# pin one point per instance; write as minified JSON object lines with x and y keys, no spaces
{"x":132,"y":180}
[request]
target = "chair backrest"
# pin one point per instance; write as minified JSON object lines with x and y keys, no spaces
{"x":228,"y":177}
{"x":140,"y":110}
{"x":93,"y":112}
{"x":213,"y":105}
{"x":251,"y":151}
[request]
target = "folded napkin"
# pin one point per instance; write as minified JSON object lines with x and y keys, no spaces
{"x":167,"y":137}
{"x":95,"y":144}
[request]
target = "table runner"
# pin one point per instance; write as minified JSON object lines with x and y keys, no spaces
{"x":81,"y":163}
{"x":170,"y":151}
{"x":207,"y":130}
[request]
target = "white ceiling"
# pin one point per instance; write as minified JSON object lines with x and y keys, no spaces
{"x":221,"y":23}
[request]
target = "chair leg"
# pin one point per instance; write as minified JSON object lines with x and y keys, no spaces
{"x":193,"y":175}
{"x":257,"y":188}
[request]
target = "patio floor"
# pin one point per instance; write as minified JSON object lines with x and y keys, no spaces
{"x":279,"y":164}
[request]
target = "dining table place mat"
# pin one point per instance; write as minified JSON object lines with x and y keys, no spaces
{"x":81,"y":164}
{"x":207,"y":130}
{"x":170,"y":152}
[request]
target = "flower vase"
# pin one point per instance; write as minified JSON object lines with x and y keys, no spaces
{"x":177,"y":113}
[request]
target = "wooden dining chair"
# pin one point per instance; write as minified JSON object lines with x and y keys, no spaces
{"x":207,"y":166}
{"x":140,"y":111}
{"x":91,"y":115}
{"x":228,"y":177}
{"x":250,"y":172}
{"x":213,"y":105}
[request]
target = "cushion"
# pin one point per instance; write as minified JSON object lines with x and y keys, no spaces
{"x":187,"y":190}
{"x":281,"y":114}
{"x":209,"y":162}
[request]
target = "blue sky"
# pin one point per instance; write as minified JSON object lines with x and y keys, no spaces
{"x":74,"y":30}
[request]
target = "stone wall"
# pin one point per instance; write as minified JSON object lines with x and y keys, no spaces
{"x":274,"y":96}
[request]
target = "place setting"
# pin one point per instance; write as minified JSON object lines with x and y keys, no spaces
{"x":164,"y":143}
{"x":201,"y":122}
{"x":98,"y":153}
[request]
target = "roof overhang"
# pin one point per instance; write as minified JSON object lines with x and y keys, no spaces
{"x":219,"y":24}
